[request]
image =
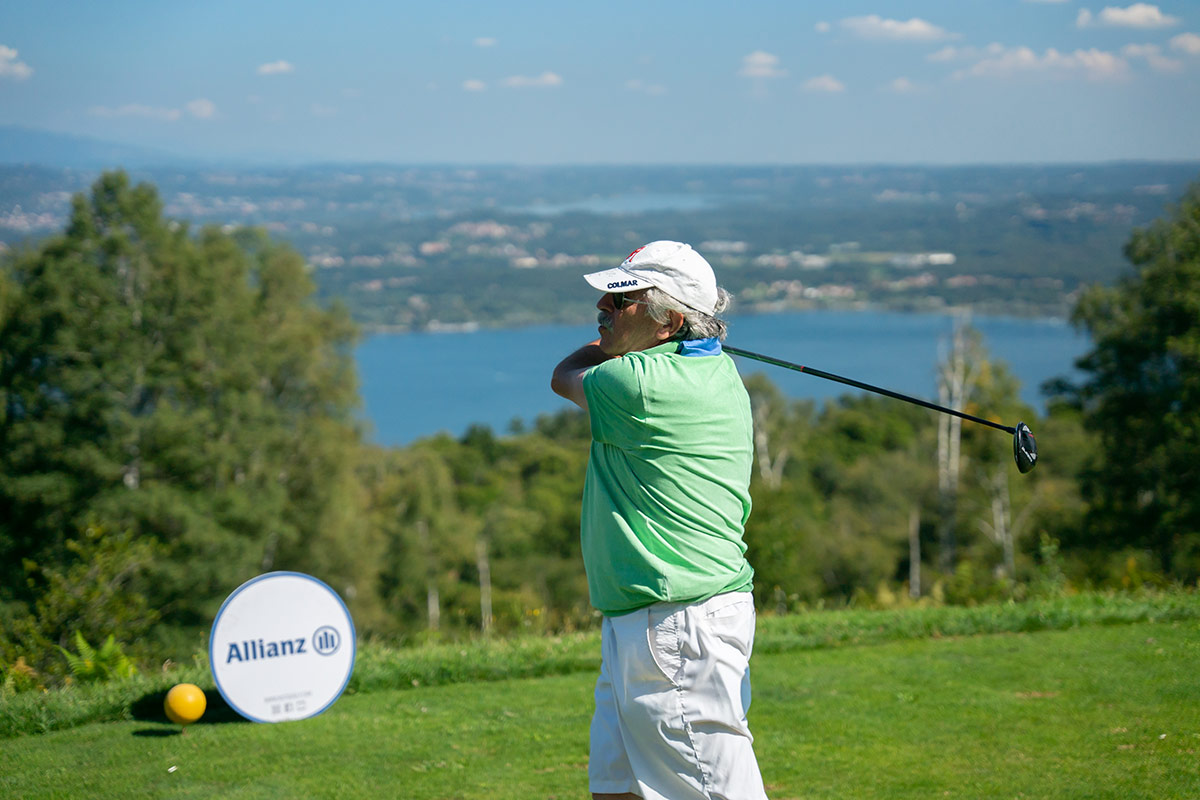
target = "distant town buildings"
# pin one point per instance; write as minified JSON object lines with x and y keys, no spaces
{"x":23,"y":221}
{"x":918,"y":260}
{"x":388,"y":232}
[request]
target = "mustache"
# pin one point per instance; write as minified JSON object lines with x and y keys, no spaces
{"x":605,"y":320}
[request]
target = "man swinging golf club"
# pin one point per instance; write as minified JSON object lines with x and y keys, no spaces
{"x":665,"y":503}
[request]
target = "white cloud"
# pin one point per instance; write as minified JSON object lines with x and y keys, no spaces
{"x":1138,"y":15}
{"x":202,"y":108}
{"x":10,"y":67}
{"x":1096,"y":63}
{"x":1187,"y":42}
{"x":952,"y":53}
{"x":902,"y":85}
{"x":137,"y":110}
{"x":638,"y":85}
{"x":276,"y":68}
{"x":822,"y":27}
{"x":319,"y":110}
{"x":824,"y":83}
{"x":1153,"y":55}
{"x":914,"y":30}
{"x":999,"y":61}
{"x":544,"y":81}
{"x":1093,"y":63}
{"x":485,"y":41}
{"x":760,"y":64}
{"x":473,"y":85}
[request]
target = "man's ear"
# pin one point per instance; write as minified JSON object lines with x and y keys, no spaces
{"x":671,"y":327}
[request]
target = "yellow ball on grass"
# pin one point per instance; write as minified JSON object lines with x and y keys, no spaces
{"x":185,"y":704}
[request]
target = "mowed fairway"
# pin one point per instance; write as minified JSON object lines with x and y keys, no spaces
{"x":1096,"y":712}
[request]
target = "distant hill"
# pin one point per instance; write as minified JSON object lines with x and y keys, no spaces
{"x":425,"y":247}
{"x":19,"y":145}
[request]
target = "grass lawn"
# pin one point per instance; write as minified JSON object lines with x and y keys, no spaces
{"x":1095,"y":712}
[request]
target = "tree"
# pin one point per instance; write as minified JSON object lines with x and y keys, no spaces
{"x":957,"y":375}
{"x":1142,"y":395}
{"x":836,"y":518}
{"x":975,"y":492}
{"x":183,"y":388}
{"x":775,"y":424}
{"x":428,"y":538}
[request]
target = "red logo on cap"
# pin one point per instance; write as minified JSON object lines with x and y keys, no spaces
{"x":635,"y":252}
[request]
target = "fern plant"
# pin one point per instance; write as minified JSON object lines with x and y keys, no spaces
{"x":92,"y":665}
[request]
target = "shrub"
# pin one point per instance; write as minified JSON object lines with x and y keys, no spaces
{"x":98,"y":590}
{"x":20,"y":677}
{"x":92,"y":665}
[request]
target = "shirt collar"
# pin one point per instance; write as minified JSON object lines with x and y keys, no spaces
{"x":700,"y":347}
{"x":691,"y":347}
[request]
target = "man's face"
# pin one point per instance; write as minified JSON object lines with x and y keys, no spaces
{"x":628,"y":329}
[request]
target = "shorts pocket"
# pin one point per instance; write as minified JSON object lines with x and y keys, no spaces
{"x":731,"y":604}
{"x":731,"y":620}
{"x":663,"y":638}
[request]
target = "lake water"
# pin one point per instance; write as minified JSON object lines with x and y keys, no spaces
{"x":417,"y":384}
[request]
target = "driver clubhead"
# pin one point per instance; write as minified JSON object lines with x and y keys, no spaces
{"x":1024,"y":448}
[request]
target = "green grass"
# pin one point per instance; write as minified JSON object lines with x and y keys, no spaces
{"x":381,"y":667}
{"x":1099,"y":712}
{"x":1090,"y":696}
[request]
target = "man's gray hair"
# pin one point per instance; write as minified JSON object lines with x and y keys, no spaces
{"x":696,"y":324}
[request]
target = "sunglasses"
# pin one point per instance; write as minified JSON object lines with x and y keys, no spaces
{"x":621,"y":299}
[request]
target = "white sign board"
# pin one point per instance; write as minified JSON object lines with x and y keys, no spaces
{"x":282,"y":647}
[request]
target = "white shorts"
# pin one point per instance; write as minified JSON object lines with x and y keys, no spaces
{"x":671,"y":703}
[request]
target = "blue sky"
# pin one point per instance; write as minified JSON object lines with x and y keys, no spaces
{"x":650,"y":81}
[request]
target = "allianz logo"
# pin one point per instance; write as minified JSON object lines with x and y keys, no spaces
{"x":325,"y":642}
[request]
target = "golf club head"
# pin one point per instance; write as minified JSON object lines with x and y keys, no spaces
{"x":1024,"y":448}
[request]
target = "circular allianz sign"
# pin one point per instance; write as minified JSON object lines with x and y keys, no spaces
{"x":282,"y":647}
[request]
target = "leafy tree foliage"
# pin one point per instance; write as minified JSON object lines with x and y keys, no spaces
{"x":837,"y":518}
{"x":1142,"y":396}
{"x":455,"y":511}
{"x":843,"y":492}
{"x":183,"y":388}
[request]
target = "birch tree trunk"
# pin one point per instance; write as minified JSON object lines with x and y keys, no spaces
{"x":433,"y":603}
{"x":485,"y":584}
{"x":1003,"y":529}
{"x":1002,"y":520}
{"x":914,"y":552}
{"x":770,"y":470}
{"x":956,"y":380}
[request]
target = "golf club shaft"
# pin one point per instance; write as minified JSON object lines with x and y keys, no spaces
{"x":829,"y":376}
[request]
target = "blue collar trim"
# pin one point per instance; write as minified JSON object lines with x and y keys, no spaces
{"x":700,"y":347}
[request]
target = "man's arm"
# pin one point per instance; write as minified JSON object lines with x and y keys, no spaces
{"x":568,"y":375}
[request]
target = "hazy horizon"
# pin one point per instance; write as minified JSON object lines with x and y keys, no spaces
{"x":179,"y":159}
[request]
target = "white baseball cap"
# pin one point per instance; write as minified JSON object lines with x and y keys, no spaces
{"x":674,"y":267}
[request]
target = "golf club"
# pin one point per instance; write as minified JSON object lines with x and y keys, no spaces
{"x":1024,"y":445}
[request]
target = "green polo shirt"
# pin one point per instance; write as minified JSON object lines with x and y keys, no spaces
{"x":667,"y":492}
